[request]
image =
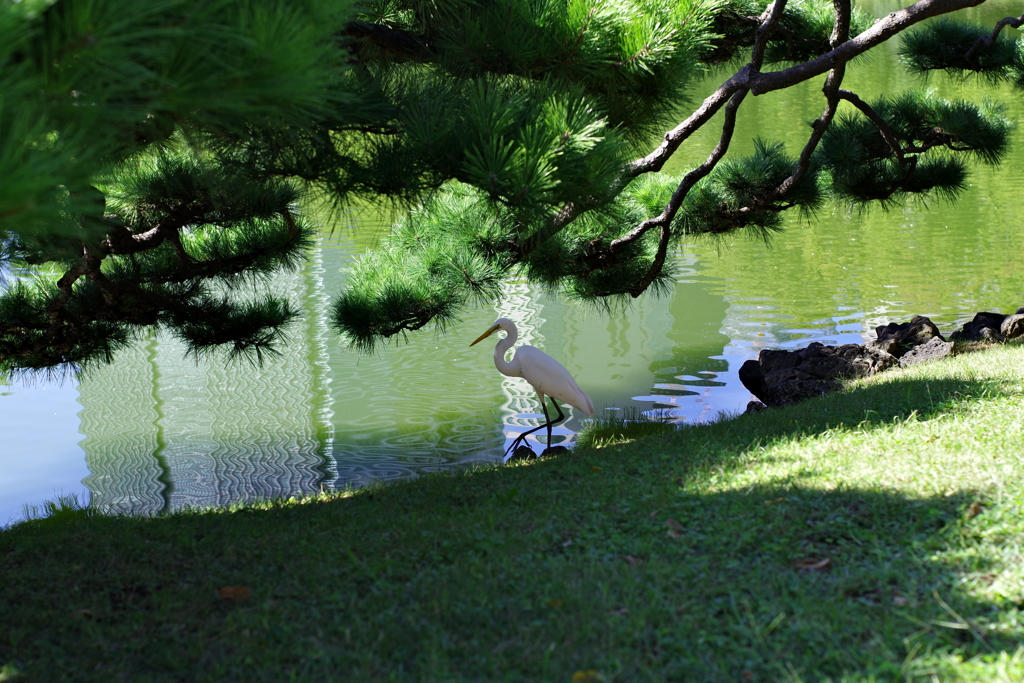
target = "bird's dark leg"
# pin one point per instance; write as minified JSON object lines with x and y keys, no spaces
{"x":519,"y":441}
{"x":548,"y":422}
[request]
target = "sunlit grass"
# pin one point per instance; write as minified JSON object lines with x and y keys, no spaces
{"x":601,"y":432}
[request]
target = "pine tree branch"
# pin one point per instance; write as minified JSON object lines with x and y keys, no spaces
{"x":566,"y":215}
{"x":749,"y":76}
{"x":656,"y":265}
{"x":711,"y":105}
{"x":690,"y":179}
{"x":62,"y":338}
{"x":65,"y":287}
{"x":840,"y":33}
{"x":987,"y":41}
{"x":760,"y":83}
{"x":63,"y":332}
{"x":841,"y":26}
{"x":654,"y":161}
{"x":402,"y":46}
{"x":93,"y":261}
{"x":769,"y":19}
{"x":651,"y":163}
{"x":833,"y":94}
{"x":752,"y":25}
{"x":875,"y":118}
{"x":580,"y":37}
{"x":818,"y":128}
{"x":186,"y":260}
{"x":884,"y":29}
{"x":122,"y":241}
{"x":729,"y":95}
{"x":939,"y":140}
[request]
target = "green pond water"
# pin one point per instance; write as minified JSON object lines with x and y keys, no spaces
{"x":156,"y":432}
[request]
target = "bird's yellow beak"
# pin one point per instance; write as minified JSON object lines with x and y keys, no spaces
{"x":485,"y":335}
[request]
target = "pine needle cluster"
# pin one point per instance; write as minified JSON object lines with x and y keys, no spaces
{"x":936,"y":137}
{"x":127,"y":208}
{"x":738,"y":195}
{"x":803,"y":32}
{"x":958,"y":49}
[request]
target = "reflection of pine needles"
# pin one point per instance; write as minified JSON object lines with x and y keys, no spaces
{"x":629,"y":426}
{"x":64,"y":508}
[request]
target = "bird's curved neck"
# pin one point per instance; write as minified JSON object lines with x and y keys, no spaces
{"x":500,"y":349}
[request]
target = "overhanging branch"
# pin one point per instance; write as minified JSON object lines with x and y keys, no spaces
{"x":399,"y":44}
{"x":884,"y":29}
{"x":840,"y":32}
{"x":769,"y":19}
{"x":690,"y":179}
{"x":750,"y":78}
{"x":987,"y":41}
{"x":875,"y":118}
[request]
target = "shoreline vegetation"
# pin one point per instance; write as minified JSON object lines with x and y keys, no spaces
{"x":871,"y":534}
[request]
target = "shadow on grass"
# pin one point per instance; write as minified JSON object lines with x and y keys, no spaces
{"x":776,"y":583}
{"x":605,"y":561}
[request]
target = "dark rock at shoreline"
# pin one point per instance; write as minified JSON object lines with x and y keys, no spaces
{"x":522,"y":453}
{"x":984,"y":327}
{"x":779,"y":378}
{"x":889,"y":346}
{"x":755,"y":407}
{"x":934,"y":349}
{"x":789,"y":393}
{"x":920,"y":330}
{"x":753,"y":379}
{"x":1013,"y":325}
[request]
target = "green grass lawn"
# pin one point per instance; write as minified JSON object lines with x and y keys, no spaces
{"x":871,"y":535}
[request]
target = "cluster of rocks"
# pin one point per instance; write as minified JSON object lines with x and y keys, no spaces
{"x":780,"y":378}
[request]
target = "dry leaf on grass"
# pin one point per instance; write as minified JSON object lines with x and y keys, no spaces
{"x":235,"y":593}
{"x":813,"y":565}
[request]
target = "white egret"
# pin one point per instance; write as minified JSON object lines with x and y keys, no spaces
{"x":545,"y":374}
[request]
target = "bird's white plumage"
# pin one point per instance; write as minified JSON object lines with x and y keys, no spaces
{"x":545,"y":374}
